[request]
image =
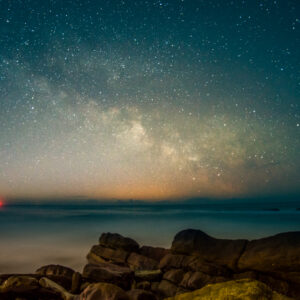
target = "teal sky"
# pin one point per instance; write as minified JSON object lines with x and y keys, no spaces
{"x":149,"y":99}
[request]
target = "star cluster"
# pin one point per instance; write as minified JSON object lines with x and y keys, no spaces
{"x":149,"y":99}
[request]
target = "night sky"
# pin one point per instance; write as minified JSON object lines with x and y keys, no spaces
{"x":149,"y":99}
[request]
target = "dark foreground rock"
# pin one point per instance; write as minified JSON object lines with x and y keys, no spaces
{"x":20,"y":284}
{"x":118,"y":268}
{"x":237,"y":290}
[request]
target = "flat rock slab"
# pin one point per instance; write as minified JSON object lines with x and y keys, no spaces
{"x":148,"y":275}
{"x":106,"y":272}
{"x":100,"y":253}
{"x":140,"y":262}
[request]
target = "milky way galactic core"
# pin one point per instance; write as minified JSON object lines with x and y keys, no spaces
{"x":149,"y":99}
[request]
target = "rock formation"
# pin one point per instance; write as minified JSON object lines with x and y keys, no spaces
{"x":196,"y":267}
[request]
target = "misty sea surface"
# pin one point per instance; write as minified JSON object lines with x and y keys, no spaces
{"x":34,"y":235}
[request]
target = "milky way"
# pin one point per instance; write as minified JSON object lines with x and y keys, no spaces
{"x":149,"y":99}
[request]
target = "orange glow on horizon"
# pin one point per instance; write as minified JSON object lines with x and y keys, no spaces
{"x":2,"y":201}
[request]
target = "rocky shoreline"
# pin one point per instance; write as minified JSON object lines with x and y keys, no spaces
{"x":197,"y":266}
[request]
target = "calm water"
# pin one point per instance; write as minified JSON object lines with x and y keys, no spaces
{"x":31,"y":235}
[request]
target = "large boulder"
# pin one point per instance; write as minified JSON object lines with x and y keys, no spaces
{"x":103,"y":291}
{"x":19,"y":284}
{"x":156,"y":253}
{"x":193,"y":263}
{"x":220,"y":251}
{"x":278,"y":254}
{"x":60,"y":274}
{"x":110,"y":273}
{"x":101,"y":254}
{"x":237,"y":290}
{"x":117,"y":241}
{"x":140,"y":262}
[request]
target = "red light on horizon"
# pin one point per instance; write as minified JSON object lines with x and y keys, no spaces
{"x":1,"y":202}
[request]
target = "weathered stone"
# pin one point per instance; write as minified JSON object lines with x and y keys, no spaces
{"x":56,"y":270}
{"x":61,"y":280}
{"x":167,"y":288}
{"x":76,"y":283}
{"x":117,"y":241}
{"x":56,"y":288}
{"x":60,"y":274}
{"x":278,"y":254}
{"x":247,"y":274}
{"x":19,"y":284}
{"x":174,"y":275}
{"x":100,"y":254}
{"x":95,"y":259}
{"x":143,"y":285}
{"x":148,"y":275}
{"x":84,"y":285}
{"x":137,"y":294}
{"x":154,"y":287}
{"x":235,"y":290}
{"x":279,"y":285}
{"x":199,"y":265}
{"x":102,"y":291}
{"x":156,"y":253}
{"x":140,"y":262}
{"x":219,"y":251}
{"x":196,"y":280}
{"x":177,"y":261}
{"x":110,"y":273}
{"x":181,"y":290}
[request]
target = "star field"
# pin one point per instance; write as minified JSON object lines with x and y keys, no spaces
{"x":149,"y":99}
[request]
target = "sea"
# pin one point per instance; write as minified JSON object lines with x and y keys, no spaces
{"x":36,"y":234}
